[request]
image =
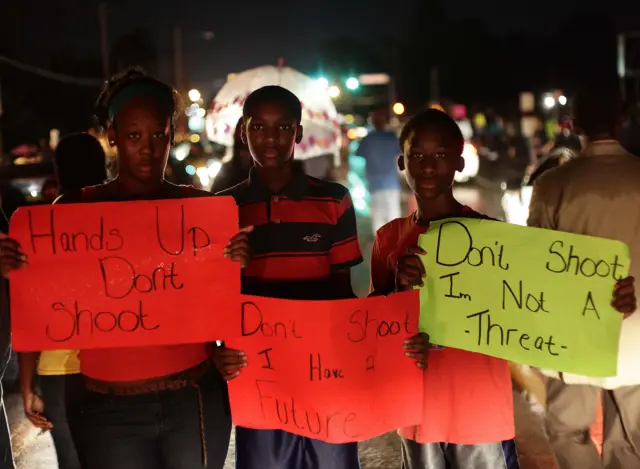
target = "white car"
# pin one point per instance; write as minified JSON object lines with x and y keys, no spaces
{"x":470,"y":154}
{"x":471,"y":164}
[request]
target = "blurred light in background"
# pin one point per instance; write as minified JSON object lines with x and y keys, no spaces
{"x":195,"y":138}
{"x":549,"y":102}
{"x":34,"y":190}
{"x":323,"y":82}
{"x":471,"y":164}
{"x":192,"y":110}
{"x":357,"y":133}
{"x":181,"y":151}
{"x":203,"y":175}
{"x":352,"y":83}
{"x":214,"y":168}
{"x":333,"y":91}
{"x":196,"y":124}
{"x":190,"y":170}
{"x":398,"y":109}
{"x":562,"y":100}
{"x":194,"y":95}
{"x":349,"y":119}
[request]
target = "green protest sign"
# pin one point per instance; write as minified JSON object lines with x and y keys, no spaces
{"x":532,"y":296}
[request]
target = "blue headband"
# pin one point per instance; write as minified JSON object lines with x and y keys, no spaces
{"x":137,"y":90}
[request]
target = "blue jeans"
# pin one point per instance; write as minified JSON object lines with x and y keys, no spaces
{"x":59,"y":393}
{"x":6,"y":453}
{"x":179,"y":429}
{"x":277,"y":449}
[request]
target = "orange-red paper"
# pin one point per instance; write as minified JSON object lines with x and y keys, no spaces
{"x":124,"y":274}
{"x":329,"y":370}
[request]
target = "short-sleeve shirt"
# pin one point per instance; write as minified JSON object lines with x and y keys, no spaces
{"x":301,"y":235}
{"x":467,"y":396}
{"x":138,"y":363}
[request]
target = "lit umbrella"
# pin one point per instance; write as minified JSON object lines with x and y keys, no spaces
{"x":319,"y":116}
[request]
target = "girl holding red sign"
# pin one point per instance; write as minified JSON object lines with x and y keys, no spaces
{"x":146,"y":407}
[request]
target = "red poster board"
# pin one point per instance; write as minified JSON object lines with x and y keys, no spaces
{"x":329,"y":370}
{"x":124,"y":274}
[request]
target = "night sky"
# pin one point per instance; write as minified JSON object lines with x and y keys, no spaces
{"x":250,"y":33}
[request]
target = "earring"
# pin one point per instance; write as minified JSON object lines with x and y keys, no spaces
{"x":112,"y":142}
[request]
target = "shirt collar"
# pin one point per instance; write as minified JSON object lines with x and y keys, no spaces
{"x":295,"y":190}
{"x":603,"y":147}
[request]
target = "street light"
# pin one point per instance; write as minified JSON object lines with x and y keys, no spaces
{"x":398,"y":109}
{"x":333,"y":91}
{"x":352,"y":83}
{"x":323,"y":82}
{"x":562,"y":100}
{"x":194,"y":95}
{"x":549,"y":102}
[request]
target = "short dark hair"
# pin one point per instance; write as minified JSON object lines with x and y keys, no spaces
{"x":80,"y":161}
{"x":433,"y":118}
{"x":597,"y":110}
{"x":271,"y":94}
{"x":130,"y":76}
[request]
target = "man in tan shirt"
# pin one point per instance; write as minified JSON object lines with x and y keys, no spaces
{"x":596,"y":194}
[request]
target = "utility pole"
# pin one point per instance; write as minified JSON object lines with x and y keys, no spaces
{"x":1,"y":120}
{"x":178,"y":59}
{"x":435,"y":85}
{"x":104,"y":39}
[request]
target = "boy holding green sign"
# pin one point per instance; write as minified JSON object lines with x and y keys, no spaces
{"x":468,"y":404}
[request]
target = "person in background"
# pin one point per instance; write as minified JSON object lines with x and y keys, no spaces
{"x":10,"y":200}
{"x":517,"y":156}
{"x":303,"y":246}
{"x":630,"y":132}
{"x":49,"y":191}
{"x":155,"y":406}
{"x":236,"y":170}
{"x":6,"y":452}
{"x":80,"y":161}
{"x":566,"y":137}
{"x":380,"y":150}
{"x":596,"y":194}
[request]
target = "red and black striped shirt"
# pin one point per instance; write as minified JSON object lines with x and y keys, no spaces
{"x":301,"y":235}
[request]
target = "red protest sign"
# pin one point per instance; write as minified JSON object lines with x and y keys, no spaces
{"x":124,"y":274}
{"x":329,"y":370}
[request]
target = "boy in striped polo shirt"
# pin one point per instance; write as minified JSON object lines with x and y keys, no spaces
{"x":303,"y":244}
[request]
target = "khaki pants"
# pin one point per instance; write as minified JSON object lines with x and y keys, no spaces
{"x":571,"y":409}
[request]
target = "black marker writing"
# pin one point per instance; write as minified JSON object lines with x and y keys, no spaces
{"x":508,"y":336}
{"x":318,"y":373}
{"x":590,"y":305}
{"x":531,"y":302}
{"x":371,"y":365}
{"x":287,"y":413}
{"x":587,"y":267}
{"x":366,"y":324}
{"x":252,"y":322}
{"x":457,"y":253}
{"x":268,"y":358}
{"x":451,"y":293}
{"x":199,"y":237}
{"x":115,"y":267}
{"x":62,"y":241}
{"x":81,"y":322}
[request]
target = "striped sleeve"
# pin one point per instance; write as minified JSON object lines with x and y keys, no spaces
{"x":345,"y":249}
